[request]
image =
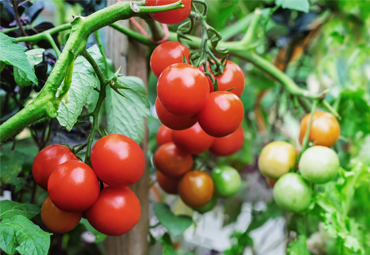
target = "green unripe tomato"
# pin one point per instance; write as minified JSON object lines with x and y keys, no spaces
{"x":276,"y":159}
{"x":226,"y":180}
{"x":319,"y":164}
{"x":207,"y":207}
{"x":292,"y":193}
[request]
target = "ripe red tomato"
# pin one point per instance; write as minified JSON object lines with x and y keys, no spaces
{"x":172,"y":161}
{"x":232,"y":77}
{"x":166,"y":54}
{"x":57,"y":220}
{"x":182,"y":89}
{"x":117,"y":160}
{"x":222,"y":114}
{"x":193,"y":140}
{"x":173,"y":121}
{"x":227,"y":145}
{"x":201,"y":68}
{"x":170,"y":17}
{"x":168,"y":184}
{"x":73,"y":186}
{"x":47,"y":160}
{"x":115,"y":212}
{"x":325,"y":129}
{"x":196,"y":189}
{"x":164,"y":135}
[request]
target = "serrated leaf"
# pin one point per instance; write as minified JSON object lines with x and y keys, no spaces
{"x":9,"y":209}
{"x":175,"y":224}
{"x":126,"y":115}
{"x":13,"y":54}
{"x":21,"y":235}
{"x":10,"y":166}
{"x":166,"y":242}
{"x":298,"y":247}
{"x":299,"y":5}
{"x":84,"y":80}
{"x":100,"y":237}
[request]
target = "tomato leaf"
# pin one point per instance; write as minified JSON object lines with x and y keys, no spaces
{"x":19,"y":183}
{"x":10,"y":166}
{"x":166,"y":242}
{"x":9,"y":209}
{"x":13,"y":54}
{"x":299,"y":5}
{"x":34,"y":57}
{"x":298,"y":247}
{"x":175,"y":224}
{"x":84,"y":80}
{"x":126,"y":115}
{"x":21,"y":235}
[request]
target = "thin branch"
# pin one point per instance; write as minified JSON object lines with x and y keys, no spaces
{"x":17,"y":17}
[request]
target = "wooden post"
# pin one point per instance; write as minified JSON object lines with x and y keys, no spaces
{"x":131,"y":56}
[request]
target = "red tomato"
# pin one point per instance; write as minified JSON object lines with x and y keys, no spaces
{"x":168,"y":184}
{"x":193,"y":140}
{"x":325,"y":129}
{"x":172,"y":161}
{"x":201,"y":68}
{"x":57,"y":220}
{"x":182,"y":89}
{"x":47,"y":160}
{"x":117,"y":160}
{"x":73,"y":186}
{"x":232,"y":77}
{"x":166,"y":54}
{"x":173,"y":121}
{"x":170,"y":17}
{"x":196,"y":189}
{"x":222,"y":114}
{"x":115,"y":212}
{"x":227,"y":145}
{"x":164,"y":135}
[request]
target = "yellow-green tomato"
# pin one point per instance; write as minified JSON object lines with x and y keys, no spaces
{"x":226,"y":180}
{"x":276,"y":159}
{"x":319,"y":164}
{"x":292,"y":193}
{"x":208,"y":207}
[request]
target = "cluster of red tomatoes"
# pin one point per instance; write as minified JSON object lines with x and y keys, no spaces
{"x":318,"y":164}
{"x":196,"y":119}
{"x":75,"y":190}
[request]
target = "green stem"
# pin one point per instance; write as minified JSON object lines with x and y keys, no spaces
{"x":37,"y":37}
{"x":133,"y":35}
{"x":156,"y":28}
{"x":14,"y":29}
{"x":331,"y":109}
{"x":50,"y":39}
{"x":102,"y":52}
{"x":252,"y":29}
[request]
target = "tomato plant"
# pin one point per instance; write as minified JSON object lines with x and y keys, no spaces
{"x":170,"y":17}
{"x":207,"y":207}
{"x":232,"y":78}
{"x":227,"y":145}
{"x":168,"y":184}
{"x":226,"y":181}
{"x":164,"y":135}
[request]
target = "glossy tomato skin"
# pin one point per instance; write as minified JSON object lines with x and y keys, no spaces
{"x":57,"y":220}
{"x":168,"y":184}
{"x":208,"y":207}
{"x":73,"y":186}
{"x":47,"y":160}
{"x":166,"y":54}
{"x":325,"y":129}
{"x":230,"y":144}
{"x":319,"y":164}
{"x":201,"y":68}
{"x":173,"y":121}
{"x":172,"y":161}
{"x":276,"y":159}
{"x":170,"y":17}
{"x":192,"y":140}
{"x":292,"y":193}
{"x":196,"y":189}
{"x":182,"y":89}
{"x":117,"y":160}
{"x":222,"y":114}
{"x":115,"y":212}
{"x":226,"y":180}
{"x":232,"y":77}
{"x":164,"y":135}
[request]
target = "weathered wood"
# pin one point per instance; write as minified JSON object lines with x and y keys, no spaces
{"x":132,"y":58}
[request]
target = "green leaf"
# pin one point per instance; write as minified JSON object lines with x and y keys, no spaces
{"x":298,"y":247}
{"x":175,"y":224}
{"x":21,"y":235}
{"x":232,"y":209}
{"x":34,"y":57}
{"x":10,"y":165}
{"x":13,"y":54}
{"x":166,"y":242}
{"x":299,"y":5}
{"x":100,"y":237}
{"x":19,"y":183}
{"x":84,"y":80}
{"x":219,"y":12}
{"x":126,"y":115}
{"x":8,"y":209}
{"x":261,"y":217}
